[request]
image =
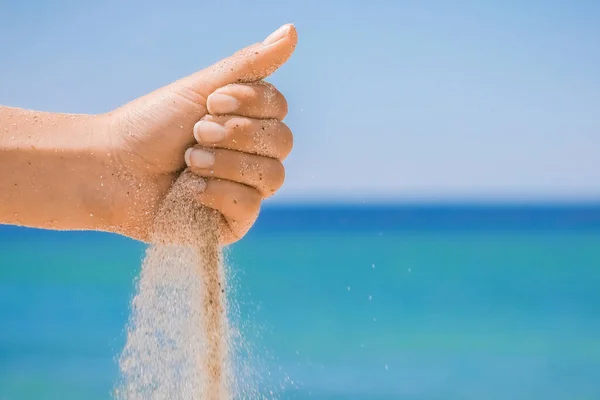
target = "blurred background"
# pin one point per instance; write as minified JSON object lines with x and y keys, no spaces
{"x":438,"y":236}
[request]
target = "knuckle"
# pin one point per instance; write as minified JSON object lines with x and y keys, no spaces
{"x":285,"y":142}
{"x":275,"y":175}
{"x":276,"y":99}
{"x":251,"y":202}
{"x":282,"y":105}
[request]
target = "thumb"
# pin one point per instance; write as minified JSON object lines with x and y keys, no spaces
{"x":251,"y":64}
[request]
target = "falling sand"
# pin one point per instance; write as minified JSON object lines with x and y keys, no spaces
{"x":178,"y":337}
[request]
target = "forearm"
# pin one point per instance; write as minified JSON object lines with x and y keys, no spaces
{"x":54,"y":170}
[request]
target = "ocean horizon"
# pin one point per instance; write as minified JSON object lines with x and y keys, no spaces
{"x":416,"y":216}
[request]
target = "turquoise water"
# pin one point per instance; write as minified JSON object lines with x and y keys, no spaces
{"x":351,"y":304}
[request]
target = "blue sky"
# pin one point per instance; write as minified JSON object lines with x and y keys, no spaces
{"x":389,"y":100}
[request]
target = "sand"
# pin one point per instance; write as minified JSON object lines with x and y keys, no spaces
{"x":178,"y":335}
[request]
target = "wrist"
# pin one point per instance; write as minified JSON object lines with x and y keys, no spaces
{"x":95,"y":180}
{"x":80,"y":157}
{"x":129,"y":200}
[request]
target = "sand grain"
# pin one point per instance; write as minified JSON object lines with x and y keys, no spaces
{"x":177,"y":345}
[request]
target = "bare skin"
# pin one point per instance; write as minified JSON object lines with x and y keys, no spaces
{"x":110,"y":172}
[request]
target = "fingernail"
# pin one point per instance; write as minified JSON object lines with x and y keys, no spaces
{"x":277,"y":35}
{"x":220,"y":103}
{"x":209,"y":132}
{"x":198,"y":158}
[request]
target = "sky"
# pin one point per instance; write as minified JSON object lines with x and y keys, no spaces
{"x":398,"y":101}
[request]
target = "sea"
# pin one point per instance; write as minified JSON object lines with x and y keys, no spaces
{"x":340,"y":302}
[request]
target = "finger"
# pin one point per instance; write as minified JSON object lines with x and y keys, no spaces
{"x":251,"y":64}
{"x":263,"y":173}
{"x":239,"y":205}
{"x":254,"y":100}
{"x":268,"y":138}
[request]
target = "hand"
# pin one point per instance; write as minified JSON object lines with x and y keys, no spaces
{"x":234,"y":117}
